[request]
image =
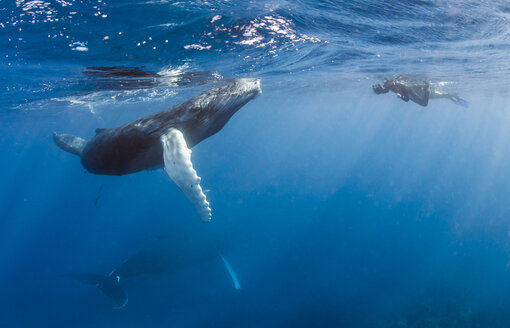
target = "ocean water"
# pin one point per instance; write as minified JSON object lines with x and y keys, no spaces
{"x":334,"y":206}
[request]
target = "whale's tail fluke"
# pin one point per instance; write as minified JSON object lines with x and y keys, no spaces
{"x":69,"y":143}
{"x":109,"y":285}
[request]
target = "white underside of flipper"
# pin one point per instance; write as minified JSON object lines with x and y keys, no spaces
{"x":178,"y":166}
{"x":231,"y":272}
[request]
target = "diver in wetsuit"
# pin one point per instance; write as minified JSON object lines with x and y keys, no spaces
{"x":418,"y":92}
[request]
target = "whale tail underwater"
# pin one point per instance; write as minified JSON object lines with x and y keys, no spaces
{"x":109,"y":285}
{"x":164,"y":138}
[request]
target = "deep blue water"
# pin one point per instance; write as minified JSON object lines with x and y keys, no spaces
{"x":336,"y":207}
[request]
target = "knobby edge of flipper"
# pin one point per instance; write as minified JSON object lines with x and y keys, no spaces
{"x":178,"y":166}
{"x":69,"y":143}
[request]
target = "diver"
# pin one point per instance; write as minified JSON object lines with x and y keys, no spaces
{"x":418,"y":92}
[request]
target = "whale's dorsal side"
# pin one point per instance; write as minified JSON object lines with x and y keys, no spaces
{"x":100,"y":130}
{"x":178,"y":166}
{"x":69,"y":143}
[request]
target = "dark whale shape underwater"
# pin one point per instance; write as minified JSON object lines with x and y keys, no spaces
{"x":165,"y":255}
{"x":164,"y":138}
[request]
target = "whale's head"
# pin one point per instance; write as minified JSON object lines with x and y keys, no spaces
{"x":216,"y":106}
{"x":236,"y":94}
{"x":223,"y":102}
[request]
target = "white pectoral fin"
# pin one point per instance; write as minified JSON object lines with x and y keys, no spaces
{"x":231,"y":272}
{"x":178,"y":166}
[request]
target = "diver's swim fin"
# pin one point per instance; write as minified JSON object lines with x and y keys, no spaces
{"x":461,"y":102}
{"x":109,"y":285}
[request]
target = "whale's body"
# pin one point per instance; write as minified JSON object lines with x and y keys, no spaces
{"x":167,"y":254}
{"x":136,"y":146}
{"x":164,"y":138}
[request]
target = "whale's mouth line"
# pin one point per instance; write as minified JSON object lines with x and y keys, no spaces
{"x":243,"y":91}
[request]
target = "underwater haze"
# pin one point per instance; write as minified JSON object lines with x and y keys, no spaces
{"x":332,"y":205}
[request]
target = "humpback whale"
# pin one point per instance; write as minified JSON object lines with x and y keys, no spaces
{"x":164,"y":138}
{"x":166,"y":254}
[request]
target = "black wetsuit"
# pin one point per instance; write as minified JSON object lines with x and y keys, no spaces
{"x":405,"y":90}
